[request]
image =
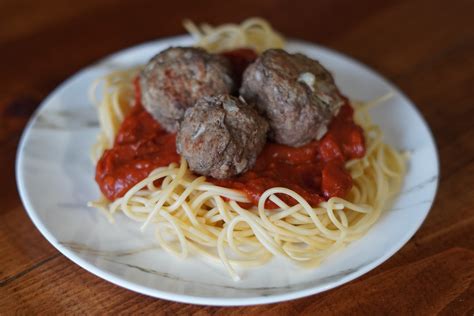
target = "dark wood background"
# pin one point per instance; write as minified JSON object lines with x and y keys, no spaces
{"x":425,"y":47}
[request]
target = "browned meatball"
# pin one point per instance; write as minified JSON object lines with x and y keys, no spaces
{"x":221,"y":136}
{"x":296,"y":94}
{"x":176,"y":78}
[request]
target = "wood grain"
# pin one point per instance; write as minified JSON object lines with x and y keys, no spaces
{"x":425,"y":47}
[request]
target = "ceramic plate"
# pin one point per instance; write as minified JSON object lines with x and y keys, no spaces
{"x":56,"y":179}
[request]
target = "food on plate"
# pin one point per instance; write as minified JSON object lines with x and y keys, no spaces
{"x":254,"y":33}
{"x":221,"y":136}
{"x":245,"y":152}
{"x":177,"y":77}
{"x":296,"y":94}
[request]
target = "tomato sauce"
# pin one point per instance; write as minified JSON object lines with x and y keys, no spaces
{"x":315,"y":171}
{"x":239,"y":60}
{"x":141,"y":145}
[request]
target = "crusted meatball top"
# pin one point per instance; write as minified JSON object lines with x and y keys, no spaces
{"x":177,"y":77}
{"x":221,"y":136}
{"x":295,"y":93}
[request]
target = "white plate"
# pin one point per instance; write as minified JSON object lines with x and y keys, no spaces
{"x":56,"y":180}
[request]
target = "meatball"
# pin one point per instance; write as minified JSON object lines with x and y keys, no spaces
{"x":176,"y":78}
{"x":296,"y":94}
{"x":221,"y":136}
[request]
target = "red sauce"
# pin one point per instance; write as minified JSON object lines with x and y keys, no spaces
{"x":141,"y":145}
{"x":315,"y":171}
{"x":239,"y":60}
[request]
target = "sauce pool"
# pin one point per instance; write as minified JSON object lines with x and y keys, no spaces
{"x":315,"y":171}
{"x":141,"y":145}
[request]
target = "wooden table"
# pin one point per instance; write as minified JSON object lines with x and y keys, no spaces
{"x":425,"y":47}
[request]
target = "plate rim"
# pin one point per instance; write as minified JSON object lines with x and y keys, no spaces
{"x":206,"y":300}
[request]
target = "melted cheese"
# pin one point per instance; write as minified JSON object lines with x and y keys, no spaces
{"x":308,"y":79}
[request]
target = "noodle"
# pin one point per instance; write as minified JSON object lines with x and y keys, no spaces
{"x":191,"y":215}
{"x":112,"y":109}
{"x":254,"y":33}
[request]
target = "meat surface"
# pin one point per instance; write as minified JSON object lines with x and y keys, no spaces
{"x":295,"y":93}
{"x":221,"y":136}
{"x":177,"y":77}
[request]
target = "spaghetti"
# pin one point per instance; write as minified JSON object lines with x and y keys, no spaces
{"x":254,"y":33}
{"x":192,"y":215}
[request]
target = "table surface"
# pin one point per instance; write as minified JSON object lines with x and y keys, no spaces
{"x":425,"y":47}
